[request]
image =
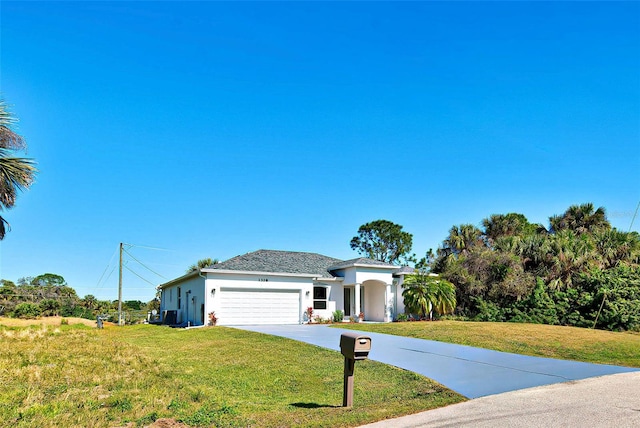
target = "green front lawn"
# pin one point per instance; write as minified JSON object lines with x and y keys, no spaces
{"x":83,"y":377}
{"x":570,"y":343}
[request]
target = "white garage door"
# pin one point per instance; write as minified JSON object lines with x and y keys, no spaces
{"x":246,"y":307}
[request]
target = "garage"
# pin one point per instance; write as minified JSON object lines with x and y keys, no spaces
{"x":254,"y":306}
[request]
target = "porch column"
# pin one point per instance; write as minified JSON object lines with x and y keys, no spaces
{"x":387,"y":303}
{"x":357,"y":299}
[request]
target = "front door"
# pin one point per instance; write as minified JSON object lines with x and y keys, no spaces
{"x":347,"y":302}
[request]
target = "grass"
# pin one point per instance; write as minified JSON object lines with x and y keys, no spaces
{"x":569,"y":343}
{"x":77,"y":376}
{"x":17,"y":322}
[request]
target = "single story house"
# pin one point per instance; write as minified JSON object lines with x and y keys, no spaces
{"x":277,"y":287}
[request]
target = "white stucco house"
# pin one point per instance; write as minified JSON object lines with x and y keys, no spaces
{"x":276,"y":287}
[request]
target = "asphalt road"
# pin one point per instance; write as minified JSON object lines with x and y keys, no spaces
{"x":604,"y":402}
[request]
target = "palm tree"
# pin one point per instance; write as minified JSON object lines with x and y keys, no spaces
{"x":15,"y":173}
{"x":569,"y":254}
{"x":89,"y":301}
{"x":424,"y":293}
{"x":581,"y":219}
{"x":535,"y":251}
{"x":616,"y":247}
{"x":462,"y":238}
{"x":202,"y":264}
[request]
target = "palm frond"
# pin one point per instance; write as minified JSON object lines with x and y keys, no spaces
{"x":4,"y":230}
{"x":8,"y":138}
{"x":15,"y":174}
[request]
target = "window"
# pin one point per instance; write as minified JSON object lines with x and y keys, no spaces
{"x":319,"y":297}
{"x":179,"y":298}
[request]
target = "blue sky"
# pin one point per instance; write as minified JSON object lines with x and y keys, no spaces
{"x":211,"y":129}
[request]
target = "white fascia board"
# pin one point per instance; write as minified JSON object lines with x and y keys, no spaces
{"x":178,"y":280}
{"x":374,"y":266}
{"x":256,"y":273}
{"x":323,"y":279}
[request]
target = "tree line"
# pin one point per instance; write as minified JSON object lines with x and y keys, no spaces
{"x":50,"y":295}
{"x":578,"y":270}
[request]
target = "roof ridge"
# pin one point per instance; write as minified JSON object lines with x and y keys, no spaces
{"x":264,"y":260}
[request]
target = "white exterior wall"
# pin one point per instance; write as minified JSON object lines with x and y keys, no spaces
{"x":399,"y":299}
{"x":374,"y":300}
{"x":373,"y":274}
{"x":382,"y":298}
{"x":336,"y":298}
{"x":361,"y":274}
{"x":191,"y":304}
{"x":349,"y":275}
{"x":379,"y":301}
{"x":169,"y":300}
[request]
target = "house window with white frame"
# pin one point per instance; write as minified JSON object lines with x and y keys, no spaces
{"x":319,"y":297}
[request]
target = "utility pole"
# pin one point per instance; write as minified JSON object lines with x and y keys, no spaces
{"x":120,"y":290}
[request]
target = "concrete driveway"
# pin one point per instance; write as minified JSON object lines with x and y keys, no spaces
{"x":472,"y":372}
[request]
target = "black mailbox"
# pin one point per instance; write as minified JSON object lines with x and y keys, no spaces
{"x":355,"y":346}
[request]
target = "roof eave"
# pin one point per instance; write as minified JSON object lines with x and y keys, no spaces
{"x":179,"y":279}
{"x":260,"y":273}
{"x":362,"y":265}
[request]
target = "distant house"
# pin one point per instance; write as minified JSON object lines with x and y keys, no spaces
{"x":276,"y":287}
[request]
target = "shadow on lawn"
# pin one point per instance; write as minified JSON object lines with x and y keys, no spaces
{"x":311,"y":405}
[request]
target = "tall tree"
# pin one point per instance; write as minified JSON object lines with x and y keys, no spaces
{"x":426,"y":263}
{"x":49,"y":280}
{"x":89,"y":301}
{"x":424,"y":293}
{"x":513,"y":224}
{"x":462,"y":239}
{"x":581,"y":219}
{"x":16,"y":173}
{"x":384,"y":241}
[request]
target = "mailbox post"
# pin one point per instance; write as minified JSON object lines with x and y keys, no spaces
{"x":354,"y":347}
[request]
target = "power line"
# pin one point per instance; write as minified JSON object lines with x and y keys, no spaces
{"x":148,"y":248}
{"x":107,"y":267}
{"x":108,"y":276}
{"x":143,"y":265}
{"x":133,"y":272}
{"x":634,"y":216}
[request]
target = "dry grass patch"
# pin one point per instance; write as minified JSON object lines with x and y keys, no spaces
{"x":49,"y":321}
{"x":571,"y":343}
{"x":70,"y":376}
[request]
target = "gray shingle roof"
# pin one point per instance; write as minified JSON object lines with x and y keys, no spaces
{"x":404,"y":270}
{"x":280,"y":261}
{"x":360,"y":261}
